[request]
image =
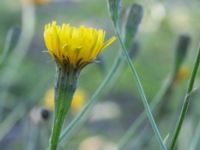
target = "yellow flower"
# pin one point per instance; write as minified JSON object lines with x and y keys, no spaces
{"x":78,"y":100}
{"x":182,"y":73}
{"x":49,"y":99}
{"x":36,"y":1}
{"x":74,"y":46}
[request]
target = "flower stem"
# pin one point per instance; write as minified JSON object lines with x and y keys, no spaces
{"x":134,"y":127}
{"x":82,"y":114}
{"x":64,"y":90}
{"x":141,"y":91}
{"x":186,"y":103}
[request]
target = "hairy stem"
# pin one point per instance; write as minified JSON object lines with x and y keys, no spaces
{"x":64,"y":90}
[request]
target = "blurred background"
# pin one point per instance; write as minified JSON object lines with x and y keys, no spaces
{"x":27,"y":74}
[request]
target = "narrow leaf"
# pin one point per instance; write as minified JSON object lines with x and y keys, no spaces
{"x":181,"y":50}
{"x":11,"y":40}
{"x":114,"y":8}
{"x":133,"y":21}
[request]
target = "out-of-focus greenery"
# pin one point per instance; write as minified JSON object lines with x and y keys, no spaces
{"x":161,"y":26}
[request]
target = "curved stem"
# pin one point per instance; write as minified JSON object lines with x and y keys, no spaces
{"x":186,"y":103}
{"x":141,"y":91}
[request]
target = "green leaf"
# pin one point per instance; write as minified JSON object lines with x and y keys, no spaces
{"x":181,"y":51}
{"x":134,"y":49}
{"x":115,"y":9}
{"x":11,"y":40}
{"x":132,"y":24}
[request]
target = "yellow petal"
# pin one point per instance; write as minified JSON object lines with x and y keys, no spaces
{"x":108,"y":42}
{"x":74,"y":44}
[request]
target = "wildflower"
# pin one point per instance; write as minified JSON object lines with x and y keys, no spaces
{"x":49,"y":99}
{"x":74,"y":47}
{"x":36,"y":1}
{"x":78,"y":100}
{"x":182,"y":73}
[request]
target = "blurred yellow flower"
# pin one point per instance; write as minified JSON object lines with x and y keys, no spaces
{"x":182,"y":73}
{"x":78,"y":100}
{"x":35,"y":1}
{"x":74,"y":47}
{"x":49,"y":99}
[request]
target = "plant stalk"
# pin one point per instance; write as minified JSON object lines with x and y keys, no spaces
{"x":64,"y":90}
{"x":82,"y":114}
{"x":141,"y":91}
{"x":186,"y":103}
{"x":134,"y":127}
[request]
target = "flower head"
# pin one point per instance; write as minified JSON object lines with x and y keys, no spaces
{"x":72,"y":46}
